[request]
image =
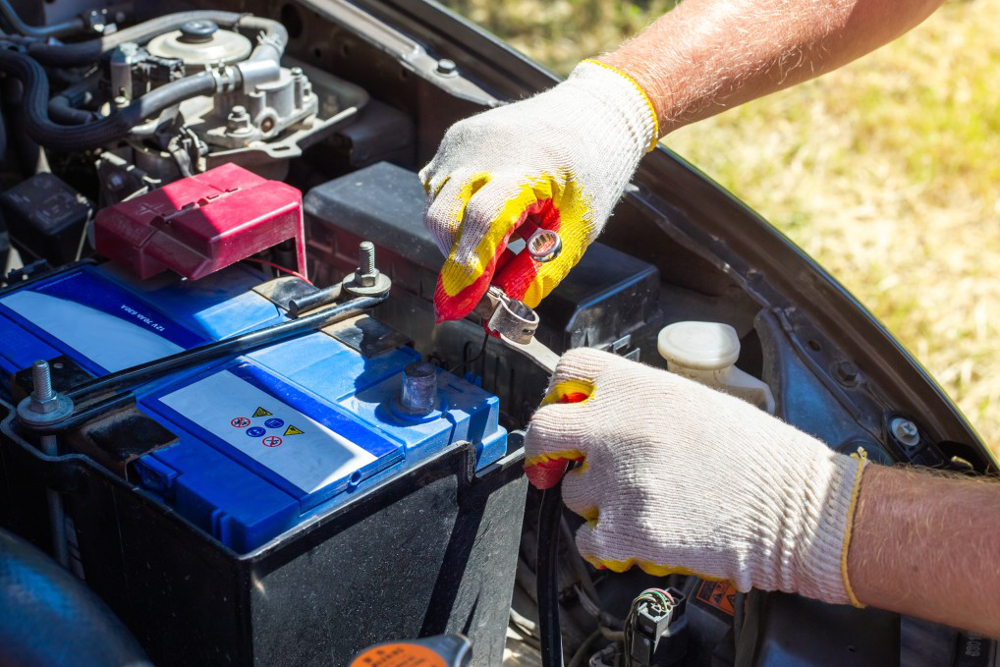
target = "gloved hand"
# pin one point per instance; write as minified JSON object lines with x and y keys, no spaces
{"x":677,"y":477}
{"x":559,"y":160}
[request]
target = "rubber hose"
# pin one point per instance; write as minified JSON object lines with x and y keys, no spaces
{"x":272,"y":46}
{"x":62,"y":138}
{"x":74,"y":25}
{"x":89,"y":52}
{"x":63,"y":107}
{"x":546,"y":572}
{"x":48,"y":617}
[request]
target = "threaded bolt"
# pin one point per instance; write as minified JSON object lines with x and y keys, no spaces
{"x":41,"y":377}
{"x":367,"y":274}
{"x":238,"y":121}
{"x":43,"y":399}
{"x":366,"y":258}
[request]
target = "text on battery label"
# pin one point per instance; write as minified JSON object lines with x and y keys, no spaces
{"x":142,"y":318}
{"x":315,"y":457}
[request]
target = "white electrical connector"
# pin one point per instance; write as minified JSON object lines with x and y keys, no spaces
{"x":706,"y":352}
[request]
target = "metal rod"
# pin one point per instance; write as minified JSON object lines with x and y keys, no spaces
{"x":228,"y":346}
{"x":301,"y":304}
{"x":57,"y":518}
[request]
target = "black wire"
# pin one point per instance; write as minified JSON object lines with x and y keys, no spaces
{"x":739,"y":616}
{"x":549,"y":520}
{"x":469,"y":362}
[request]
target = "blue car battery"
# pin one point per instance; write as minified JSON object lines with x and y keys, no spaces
{"x":263,"y":441}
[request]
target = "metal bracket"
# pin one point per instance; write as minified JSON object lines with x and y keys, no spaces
{"x":515,"y":324}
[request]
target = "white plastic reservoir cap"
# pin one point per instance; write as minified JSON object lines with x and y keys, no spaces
{"x":703,"y":346}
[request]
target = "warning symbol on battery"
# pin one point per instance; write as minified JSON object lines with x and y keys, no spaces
{"x":720,"y":595}
{"x":271,"y":441}
{"x":240,"y":422}
{"x":291,"y":430}
{"x":261,"y":412}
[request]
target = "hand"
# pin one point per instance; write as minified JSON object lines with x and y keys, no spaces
{"x":677,"y":477}
{"x":559,"y":160}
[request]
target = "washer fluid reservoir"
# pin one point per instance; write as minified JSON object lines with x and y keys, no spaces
{"x":706,"y":352}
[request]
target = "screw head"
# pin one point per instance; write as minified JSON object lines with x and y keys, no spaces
{"x":847,"y":372}
{"x":446,"y":67}
{"x":905,"y":431}
{"x":238,"y":121}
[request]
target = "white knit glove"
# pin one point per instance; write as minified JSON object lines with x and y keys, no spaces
{"x":677,"y":477}
{"x":559,"y":160}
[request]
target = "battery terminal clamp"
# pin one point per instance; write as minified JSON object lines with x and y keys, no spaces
{"x":515,"y":325}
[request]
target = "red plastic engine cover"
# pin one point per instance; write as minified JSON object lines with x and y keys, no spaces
{"x":198,"y":225}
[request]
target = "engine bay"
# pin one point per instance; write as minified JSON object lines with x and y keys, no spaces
{"x":228,"y":408}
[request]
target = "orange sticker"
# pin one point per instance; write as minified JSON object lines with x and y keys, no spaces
{"x":718,"y":594}
{"x":399,"y":655}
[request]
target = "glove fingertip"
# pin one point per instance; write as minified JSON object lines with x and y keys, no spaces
{"x":544,"y":476}
{"x":456,"y":306}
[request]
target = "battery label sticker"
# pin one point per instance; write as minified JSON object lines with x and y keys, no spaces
{"x":261,"y":412}
{"x":316,"y":457}
{"x":99,"y":320}
{"x":111,"y":342}
{"x":719,"y":595}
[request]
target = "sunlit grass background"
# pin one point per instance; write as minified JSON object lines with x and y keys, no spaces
{"x":887,"y":171}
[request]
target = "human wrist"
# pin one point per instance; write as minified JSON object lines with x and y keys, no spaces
{"x":829,"y":489}
{"x":623,"y":96}
{"x":647,"y":76}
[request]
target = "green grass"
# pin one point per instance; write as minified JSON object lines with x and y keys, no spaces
{"x":887,"y":171}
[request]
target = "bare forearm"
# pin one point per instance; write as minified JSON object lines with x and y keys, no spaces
{"x":709,"y":55}
{"x":928,"y":546}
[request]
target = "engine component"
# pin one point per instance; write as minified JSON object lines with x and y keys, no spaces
{"x":46,"y":217}
{"x":260,"y":67}
{"x":255,"y":468}
{"x":707,"y":352}
{"x":96,"y":20}
{"x":656,"y":629}
{"x":200,"y":42}
{"x":243,"y":117}
{"x":201,"y":224}
{"x":89,"y":52}
{"x":66,"y":138}
{"x":134,"y":72}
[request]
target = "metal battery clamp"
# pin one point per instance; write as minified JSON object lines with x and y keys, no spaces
{"x":515,"y":324}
